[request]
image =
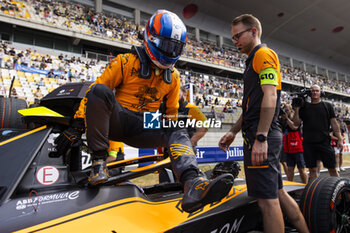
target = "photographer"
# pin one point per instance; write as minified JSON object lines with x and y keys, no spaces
{"x":292,"y":146}
{"x":317,"y":118}
{"x":283,"y":123}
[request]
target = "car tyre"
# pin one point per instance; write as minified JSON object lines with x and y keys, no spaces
{"x":325,"y":204}
{"x":9,"y":117}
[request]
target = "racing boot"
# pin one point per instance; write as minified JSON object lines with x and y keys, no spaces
{"x":200,"y":191}
{"x":99,"y":172}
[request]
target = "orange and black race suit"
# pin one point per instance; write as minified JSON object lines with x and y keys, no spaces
{"x":135,"y":93}
{"x":191,"y":112}
{"x":188,"y":111}
{"x":119,"y":116}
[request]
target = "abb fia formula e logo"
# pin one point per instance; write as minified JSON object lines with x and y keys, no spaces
{"x":40,"y":200}
{"x":47,"y":175}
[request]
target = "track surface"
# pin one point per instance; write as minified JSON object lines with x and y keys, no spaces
{"x":324,"y":173}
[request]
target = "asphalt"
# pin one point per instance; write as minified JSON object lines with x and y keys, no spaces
{"x":324,"y":173}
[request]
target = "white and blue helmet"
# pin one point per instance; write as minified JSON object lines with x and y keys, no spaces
{"x":165,"y":38}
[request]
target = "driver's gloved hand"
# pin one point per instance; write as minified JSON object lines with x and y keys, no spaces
{"x":70,"y":137}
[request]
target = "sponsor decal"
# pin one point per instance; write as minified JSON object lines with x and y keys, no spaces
{"x":236,"y":152}
{"x":52,"y":137}
{"x":46,"y":199}
{"x":199,"y":154}
{"x":47,"y":175}
{"x":51,"y":142}
{"x":135,"y":72}
{"x":85,"y":160}
{"x":5,"y":132}
{"x":65,"y":92}
{"x":340,"y":185}
{"x":228,"y":227}
{"x":207,"y":154}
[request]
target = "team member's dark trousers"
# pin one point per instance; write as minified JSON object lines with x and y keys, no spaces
{"x":265,"y":180}
{"x":107,"y":119}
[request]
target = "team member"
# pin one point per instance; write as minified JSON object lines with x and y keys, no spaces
{"x":191,"y":112}
{"x":142,"y":80}
{"x":115,"y":151}
{"x":293,"y":146}
{"x":317,"y":118}
{"x":261,"y":132}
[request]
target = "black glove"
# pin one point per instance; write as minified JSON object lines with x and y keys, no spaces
{"x":70,"y":137}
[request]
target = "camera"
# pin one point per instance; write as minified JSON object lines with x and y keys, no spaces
{"x":300,"y":100}
{"x":282,"y":111}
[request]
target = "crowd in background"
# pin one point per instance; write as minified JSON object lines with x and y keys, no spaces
{"x":297,"y":75}
{"x":209,"y":90}
{"x":223,"y":93}
{"x":82,"y":18}
{"x":77,"y":68}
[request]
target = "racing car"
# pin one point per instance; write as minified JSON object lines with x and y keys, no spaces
{"x":41,"y":191}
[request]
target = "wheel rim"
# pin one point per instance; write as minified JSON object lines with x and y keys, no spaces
{"x":342,"y":212}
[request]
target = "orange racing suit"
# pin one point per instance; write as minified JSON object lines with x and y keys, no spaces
{"x":134,"y":93}
{"x":119,"y":116}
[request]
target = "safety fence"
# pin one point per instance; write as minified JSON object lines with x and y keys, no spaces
{"x":207,"y":154}
{"x":203,"y":154}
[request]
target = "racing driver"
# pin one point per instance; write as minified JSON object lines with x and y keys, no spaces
{"x":143,"y":79}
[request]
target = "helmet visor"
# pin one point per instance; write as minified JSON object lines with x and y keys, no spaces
{"x":168,"y":47}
